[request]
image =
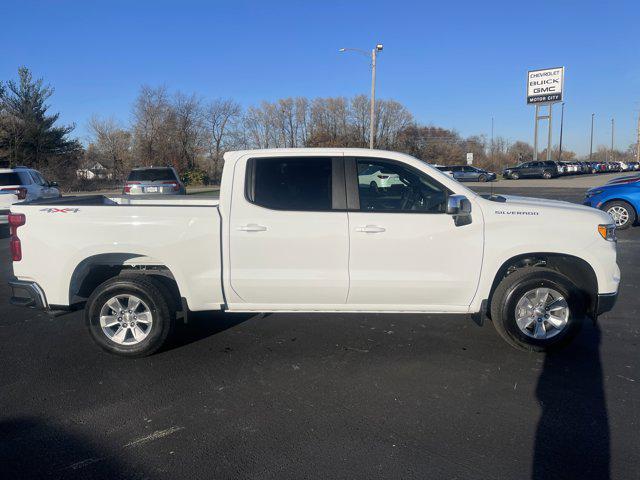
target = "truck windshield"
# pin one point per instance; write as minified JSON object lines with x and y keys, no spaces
{"x":10,"y":178}
{"x":151,"y":175}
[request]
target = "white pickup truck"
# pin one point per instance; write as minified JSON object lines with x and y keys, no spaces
{"x":302,"y":230}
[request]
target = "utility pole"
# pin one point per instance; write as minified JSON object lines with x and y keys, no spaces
{"x":372,"y":113}
{"x":591,"y":145}
{"x":638,"y":141}
{"x":492,"y":146}
{"x":561,"y":126}
{"x":613,"y":127}
{"x":372,"y":109}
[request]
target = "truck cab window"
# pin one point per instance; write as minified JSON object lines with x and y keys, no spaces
{"x":392,"y":187}
{"x":291,"y":183}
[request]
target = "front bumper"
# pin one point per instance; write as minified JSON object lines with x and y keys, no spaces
{"x":606,"y":302}
{"x":27,"y":294}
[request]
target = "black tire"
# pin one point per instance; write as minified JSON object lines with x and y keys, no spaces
{"x":152,"y":292}
{"x":511,"y":289}
{"x":482,"y":178}
{"x":515,"y":175}
{"x":632,"y":215}
{"x":373,"y":186}
{"x":547,"y":174}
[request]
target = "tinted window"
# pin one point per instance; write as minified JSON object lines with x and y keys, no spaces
{"x":151,"y":175}
{"x":404,"y":189}
{"x":10,"y":178}
{"x":292,"y":183}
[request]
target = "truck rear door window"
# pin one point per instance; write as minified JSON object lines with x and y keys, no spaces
{"x":291,"y":183}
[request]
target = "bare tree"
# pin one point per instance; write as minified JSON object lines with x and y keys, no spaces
{"x":219,"y":117}
{"x":151,"y":113}
{"x":186,"y":116}
{"x":112,"y":144}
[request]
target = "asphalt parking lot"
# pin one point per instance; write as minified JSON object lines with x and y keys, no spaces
{"x":324,"y":396}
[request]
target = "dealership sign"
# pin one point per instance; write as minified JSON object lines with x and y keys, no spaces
{"x":545,"y":86}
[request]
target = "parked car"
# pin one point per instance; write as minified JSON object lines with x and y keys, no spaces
{"x":543,"y":169}
{"x":569,"y":168}
{"x":620,"y":198}
{"x":299,"y":230}
{"x":154,"y":181}
{"x":443,"y":168}
{"x":377,"y":177}
{"x":585,"y":167}
{"x":468,"y":173}
{"x":634,"y":166}
{"x":20,"y":184}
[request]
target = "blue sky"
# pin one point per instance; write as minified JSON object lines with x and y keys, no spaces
{"x":453,"y":64}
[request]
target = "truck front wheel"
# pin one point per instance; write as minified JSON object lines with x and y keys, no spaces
{"x":130,"y":315}
{"x":537,"y":309}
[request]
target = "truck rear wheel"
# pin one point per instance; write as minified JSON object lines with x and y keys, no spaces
{"x":537,"y":309}
{"x":130,"y":315}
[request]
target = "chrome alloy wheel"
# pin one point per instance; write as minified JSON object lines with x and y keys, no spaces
{"x":126,"y":319}
{"x":542,"y":313}
{"x":619,"y":214}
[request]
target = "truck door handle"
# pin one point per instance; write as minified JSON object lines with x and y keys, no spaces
{"x":252,"y":227}
{"x":370,"y":229}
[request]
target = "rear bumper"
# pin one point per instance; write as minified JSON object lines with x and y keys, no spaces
{"x":606,"y":302}
{"x":27,"y":294}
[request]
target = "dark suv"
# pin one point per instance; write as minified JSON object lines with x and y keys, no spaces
{"x":468,"y":173}
{"x":541,"y":169}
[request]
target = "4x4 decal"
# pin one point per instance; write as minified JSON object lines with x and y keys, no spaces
{"x":60,"y":210}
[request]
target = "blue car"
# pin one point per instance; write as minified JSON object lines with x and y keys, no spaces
{"x":620,"y":198}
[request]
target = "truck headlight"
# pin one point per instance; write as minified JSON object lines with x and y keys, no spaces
{"x":608,"y":232}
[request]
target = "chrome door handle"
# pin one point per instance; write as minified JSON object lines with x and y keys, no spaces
{"x":370,"y":229}
{"x":252,"y":227}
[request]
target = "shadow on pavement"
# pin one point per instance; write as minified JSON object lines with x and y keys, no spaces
{"x":32,"y":448}
{"x":572,"y":439}
{"x":204,"y":324}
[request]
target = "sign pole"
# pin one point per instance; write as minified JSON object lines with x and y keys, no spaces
{"x":545,"y":87}
{"x":535,"y":135}
{"x":549,"y":133}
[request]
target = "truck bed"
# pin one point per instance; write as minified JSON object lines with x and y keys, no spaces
{"x":64,"y":238}
{"x":115,"y":200}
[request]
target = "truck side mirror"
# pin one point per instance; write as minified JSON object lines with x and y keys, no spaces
{"x":459,"y":207}
{"x":53,"y":184}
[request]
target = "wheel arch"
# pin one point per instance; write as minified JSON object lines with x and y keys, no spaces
{"x":96,"y":269}
{"x":579,"y":271}
{"x":621,"y":199}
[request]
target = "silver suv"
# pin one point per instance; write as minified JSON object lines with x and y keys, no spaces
{"x":154,"y":181}
{"x":22,"y":183}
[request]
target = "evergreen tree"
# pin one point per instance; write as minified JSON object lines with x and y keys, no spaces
{"x":28,"y":135}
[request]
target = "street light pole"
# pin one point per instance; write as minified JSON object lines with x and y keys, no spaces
{"x":372,"y":113}
{"x":561,"y":127}
{"x":613,"y":126}
{"x":591,"y":144}
{"x":372,"y":108}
